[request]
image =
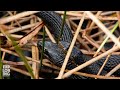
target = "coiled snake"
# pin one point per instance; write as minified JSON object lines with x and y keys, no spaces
{"x":56,"y":55}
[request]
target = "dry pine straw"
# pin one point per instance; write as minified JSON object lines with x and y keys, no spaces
{"x":95,"y":22}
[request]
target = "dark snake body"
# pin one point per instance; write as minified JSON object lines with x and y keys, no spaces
{"x":56,"y":55}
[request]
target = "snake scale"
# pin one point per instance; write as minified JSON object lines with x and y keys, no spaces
{"x":56,"y":55}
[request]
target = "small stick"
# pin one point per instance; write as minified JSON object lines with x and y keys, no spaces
{"x":96,"y":34}
{"x":78,"y":16}
{"x":83,"y":74}
{"x":15,"y":63}
{"x":73,"y":24}
{"x":90,"y":62}
{"x":95,"y":27}
{"x":107,"y":13}
{"x":99,"y":42}
{"x":92,"y":24}
{"x":91,"y":41}
{"x":50,"y":35}
{"x":100,"y":32}
{"x":13,"y":53}
{"x":95,"y":76}
{"x":35,"y":55}
{"x":24,"y":40}
{"x":80,"y":73}
{"x":15,"y":20}
{"x":22,"y":28}
{"x":24,"y":19}
{"x":71,"y":47}
{"x":3,"y":32}
{"x":113,"y":70}
{"x":20,"y":71}
{"x":107,"y":58}
{"x":3,"y":56}
{"x":81,"y":40}
{"x":15,"y":36}
{"x":83,"y":43}
{"x":105,"y":40}
{"x":102,"y":27}
{"x":17,"y":16}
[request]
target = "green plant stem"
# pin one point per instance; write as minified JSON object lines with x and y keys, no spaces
{"x":43,"y":45}
{"x":63,"y":22}
{"x":114,"y":28}
{"x":20,"y":53}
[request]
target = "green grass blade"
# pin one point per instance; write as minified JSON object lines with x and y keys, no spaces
{"x":23,"y":58}
{"x":63,"y":22}
{"x":20,"y":53}
{"x":43,"y":45}
{"x":114,"y":28}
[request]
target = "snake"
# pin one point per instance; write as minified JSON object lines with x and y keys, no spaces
{"x":56,"y":54}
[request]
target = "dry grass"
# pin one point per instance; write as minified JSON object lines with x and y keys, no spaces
{"x":30,"y":25}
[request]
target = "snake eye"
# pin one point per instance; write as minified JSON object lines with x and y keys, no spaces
{"x":40,"y":45}
{"x":46,"y":53}
{"x":45,"y":50}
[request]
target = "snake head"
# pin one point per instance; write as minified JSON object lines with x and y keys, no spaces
{"x":56,"y":53}
{"x":53,"y":52}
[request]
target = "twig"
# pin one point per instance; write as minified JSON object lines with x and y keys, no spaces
{"x":91,"y":41}
{"x":22,"y":28}
{"x":90,"y":62}
{"x":20,"y":71}
{"x":78,"y":73}
{"x":95,"y":76}
{"x":13,"y":53}
{"x":83,"y":74}
{"x":116,"y":25}
{"x":107,"y":13}
{"x":50,"y":35}
{"x":71,"y":47}
{"x":24,"y":19}
{"x":15,"y":36}
{"x":35,"y":65}
{"x":99,"y":42}
{"x":83,"y":43}
{"x":79,"y":38}
{"x":35,"y":55}
{"x":107,"y":58}
{"x":15,"y":63}
{"x":107,"y":32}
{"x":24,"y":40}
{"x":4,"y":33}
{"x":77,"y":16}
{"x":95,"y":27}
{"x":15,"y":20}
{"x":3,"y":56}
{"x":113,"y":70}
{"x":98,"y":13}
{"x":17,"y":16}
{"x":96,"y":34}
{"x":92,"y":24}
